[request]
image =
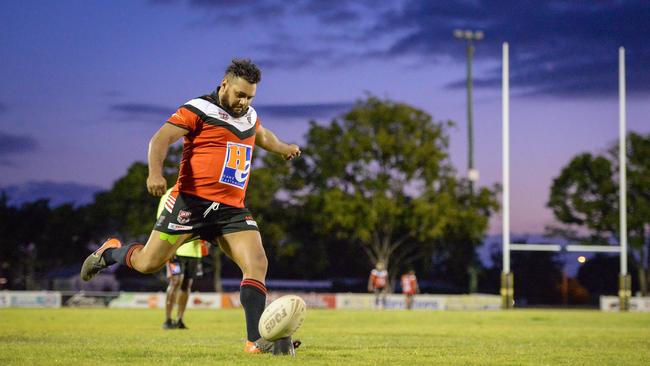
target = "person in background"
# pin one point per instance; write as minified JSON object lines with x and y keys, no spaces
{"x":377,"y":283}
{"x":410,"y":287}
{"x":182,"y":269}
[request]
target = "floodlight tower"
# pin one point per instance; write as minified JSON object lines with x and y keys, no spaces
{"x":470,"y":37}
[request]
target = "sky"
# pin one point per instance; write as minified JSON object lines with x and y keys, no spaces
{"x":87,"y":83}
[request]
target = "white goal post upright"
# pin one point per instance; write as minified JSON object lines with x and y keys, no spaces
{"x":624,"y":281}
{"x":507,"y":283}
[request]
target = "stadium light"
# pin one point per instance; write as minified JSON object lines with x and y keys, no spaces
{"x":469,"y":37}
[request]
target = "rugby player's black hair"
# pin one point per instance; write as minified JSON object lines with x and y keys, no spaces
{"x":245,"y":69}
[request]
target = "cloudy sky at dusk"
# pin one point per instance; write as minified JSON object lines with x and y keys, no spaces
{"x":86,"y":83}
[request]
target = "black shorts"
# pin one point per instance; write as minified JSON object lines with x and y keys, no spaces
{"x":189,"y":267}
{"x":205,"y":219}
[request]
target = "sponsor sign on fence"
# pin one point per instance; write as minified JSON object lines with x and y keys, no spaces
{"x":139,"y":300}
{"x":4,"y":299}
{"x":611,"y":303}
{"x":212,"y":300}
{"x":355,"y":301}
{"x":313,"y":300}
{"x":30,"y":299}
{"x":420,"y":302}
{"x":156,"y":300}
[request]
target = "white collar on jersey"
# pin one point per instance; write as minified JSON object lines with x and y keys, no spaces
{"x":212,"y":110}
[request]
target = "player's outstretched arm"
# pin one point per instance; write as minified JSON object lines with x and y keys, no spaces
{"x":158,"y":146}
{"x":267,"y":140}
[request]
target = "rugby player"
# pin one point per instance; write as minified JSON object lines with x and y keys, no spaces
{"x":409,"y":287}
{"x":220,"y":131}
{"x":377,"y":283}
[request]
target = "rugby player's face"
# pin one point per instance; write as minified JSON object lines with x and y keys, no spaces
{"x":237,"y":95}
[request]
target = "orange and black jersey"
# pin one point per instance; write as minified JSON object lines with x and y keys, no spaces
{"x":217,"y":151}
{"x":378,"y":278}
{"x":409,"y":284}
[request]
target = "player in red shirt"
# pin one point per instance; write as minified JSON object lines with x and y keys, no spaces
{"x":378,"y":284}
{"x":409,"y":287}
{"x":219,"y":132}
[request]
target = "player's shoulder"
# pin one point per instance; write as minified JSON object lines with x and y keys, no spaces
{"x":374,"y":272}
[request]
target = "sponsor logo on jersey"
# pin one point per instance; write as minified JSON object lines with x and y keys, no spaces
{"x":173,"y":226}
{"x":237,"y":165}
{"x":223,"y":115}
{"x":183,"y":217}
{"x":249,"y":118}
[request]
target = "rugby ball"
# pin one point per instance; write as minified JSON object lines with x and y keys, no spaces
{"x":282,"y":317}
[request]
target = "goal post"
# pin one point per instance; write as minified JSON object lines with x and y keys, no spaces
{"x":507,"y":278}
{"x":624,"y":282}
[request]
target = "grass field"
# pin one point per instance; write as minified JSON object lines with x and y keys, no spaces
{"x":521,"y":337}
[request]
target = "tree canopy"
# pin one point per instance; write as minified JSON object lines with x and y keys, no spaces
{"x":380,"y":177}
{"x":585,"y":199}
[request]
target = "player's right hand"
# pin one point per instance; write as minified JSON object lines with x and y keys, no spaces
{"x":292,"y":152}
{"x":156,"y":185}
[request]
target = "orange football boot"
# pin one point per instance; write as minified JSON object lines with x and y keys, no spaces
{"x":95,"y":262}
{"x":251,"y":347}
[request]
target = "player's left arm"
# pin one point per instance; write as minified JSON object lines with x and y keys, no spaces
{"x":267,"y":140}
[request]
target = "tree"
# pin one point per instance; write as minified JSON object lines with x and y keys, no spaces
{"x":380,"y":177}
{"x":282,"y":223}
{"x":585,"y":199}
{"x":38,"y":239}
{"x":456,"y":255}
{"x":128,"y":210}
{"x":9,"y":256}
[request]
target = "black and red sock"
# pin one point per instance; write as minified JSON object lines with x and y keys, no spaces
{"x":252,"y":296}
{"x":121,"y":255}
